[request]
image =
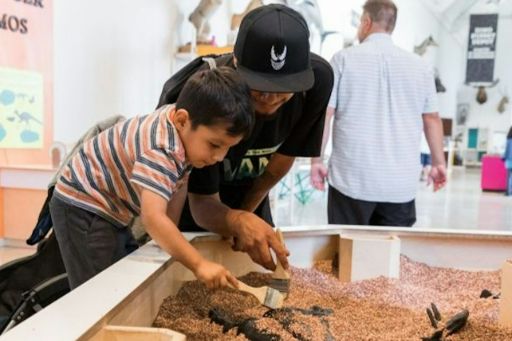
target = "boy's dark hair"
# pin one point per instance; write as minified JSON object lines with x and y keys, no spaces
{"x":509,"y":135}
{"x":383,"y":12}
{"x":218,"y":96}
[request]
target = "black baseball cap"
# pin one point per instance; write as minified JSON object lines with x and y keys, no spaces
{"x":272,"y":50}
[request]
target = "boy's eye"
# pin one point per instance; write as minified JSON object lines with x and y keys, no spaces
{"x":213,"y":145}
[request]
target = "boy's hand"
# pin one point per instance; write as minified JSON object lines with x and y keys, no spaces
{"x":214,"y":275}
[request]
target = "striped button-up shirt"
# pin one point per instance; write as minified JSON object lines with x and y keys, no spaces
{"x":106,"y":174}
{"x":380,"y":93}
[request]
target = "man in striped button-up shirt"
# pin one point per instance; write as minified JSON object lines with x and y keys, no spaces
{"x":382,"y":99}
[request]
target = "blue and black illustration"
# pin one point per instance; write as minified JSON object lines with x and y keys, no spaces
{"x":21,"y":109}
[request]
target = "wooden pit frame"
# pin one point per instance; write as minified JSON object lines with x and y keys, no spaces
{"x":121,"y":302}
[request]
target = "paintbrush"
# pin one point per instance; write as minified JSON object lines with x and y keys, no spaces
{"x":267,"y":296}
{"x":281,"y":277}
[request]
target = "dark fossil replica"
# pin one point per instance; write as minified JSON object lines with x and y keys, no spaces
{"x":286,"y":317}
{"x":453,"y":325}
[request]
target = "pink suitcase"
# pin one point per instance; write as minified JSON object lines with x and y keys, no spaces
{"x":494,"y":174}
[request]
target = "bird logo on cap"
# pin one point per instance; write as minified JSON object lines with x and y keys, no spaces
{"x":277,"y":60}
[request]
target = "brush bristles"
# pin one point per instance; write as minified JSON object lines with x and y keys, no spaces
{"x":283,"y":285}
{"x":273,"y":299}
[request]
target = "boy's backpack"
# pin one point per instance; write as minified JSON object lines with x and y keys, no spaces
{"x":173,"y":86}
{"x":30,"y":283}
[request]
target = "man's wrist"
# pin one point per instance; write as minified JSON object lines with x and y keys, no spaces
{"x":233,"y":220}
{"x":439,"y":164}
{"x":317,"y":160}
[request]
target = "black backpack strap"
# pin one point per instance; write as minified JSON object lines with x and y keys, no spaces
{"x":44,"y":221}
{"x":174,"y":84}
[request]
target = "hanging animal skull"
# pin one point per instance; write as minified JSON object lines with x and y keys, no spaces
{"x":481,"y":94}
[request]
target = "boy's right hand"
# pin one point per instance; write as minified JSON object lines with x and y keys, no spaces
{"x":214,"y":275}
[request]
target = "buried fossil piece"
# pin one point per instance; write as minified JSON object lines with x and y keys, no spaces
{"x":486,"y":294}
{"x":301,"y":324}
{"x":453,"y":325}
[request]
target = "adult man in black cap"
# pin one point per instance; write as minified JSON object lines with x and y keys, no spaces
{"x":290,"y":89}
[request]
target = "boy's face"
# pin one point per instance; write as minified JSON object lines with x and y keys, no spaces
{"x":204,"y":145}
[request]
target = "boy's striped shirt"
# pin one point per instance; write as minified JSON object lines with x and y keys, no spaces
{"x":145,"y":151}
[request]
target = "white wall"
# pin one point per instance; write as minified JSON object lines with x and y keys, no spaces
{"x":111,"y":57}
{"x":452,"y":65}
{"x":414,"y":23}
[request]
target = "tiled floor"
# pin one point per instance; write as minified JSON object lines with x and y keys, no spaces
{"x":13,"y":250}
{"x":461,"y":205}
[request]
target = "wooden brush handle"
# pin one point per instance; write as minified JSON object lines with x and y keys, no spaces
{"x":279,"y":236}
{"x":259,"y":293}
{"x":280,"y":272}
{"x":242,"y":287}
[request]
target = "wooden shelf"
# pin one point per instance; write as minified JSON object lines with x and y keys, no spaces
{"x":203,"y":50}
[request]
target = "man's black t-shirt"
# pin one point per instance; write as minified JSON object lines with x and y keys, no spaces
{"x":294,"y":130}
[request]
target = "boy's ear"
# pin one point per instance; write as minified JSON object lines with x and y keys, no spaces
{"x":180,"y":118}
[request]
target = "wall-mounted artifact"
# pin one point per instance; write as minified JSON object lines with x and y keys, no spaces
{"x":200,"y":17}
{"x":481,"y":94}
{"x":309,"y":9}
{"x":462,"y":113}
{"x":236,"y":19}
{"x":502,"y":104}
{"x":421,"y":49}
{"x":439,"y":85}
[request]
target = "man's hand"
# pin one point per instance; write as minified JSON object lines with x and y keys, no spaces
{"x":214,"y":275}
{"x":437,"y":176}
{"x":318,"y":174}
{"x":254,"y":236}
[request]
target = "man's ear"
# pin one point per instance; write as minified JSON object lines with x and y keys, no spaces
{"x":367,"y":22}
{"x":180,"y":119}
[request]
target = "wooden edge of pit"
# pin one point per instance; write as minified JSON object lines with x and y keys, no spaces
{"x":127,"y":333}
{"x":505,"y":310}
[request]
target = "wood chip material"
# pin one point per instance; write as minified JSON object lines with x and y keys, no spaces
{"x":377,"y":309}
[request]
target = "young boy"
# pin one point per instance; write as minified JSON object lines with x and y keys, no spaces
{"x":137,"y":167}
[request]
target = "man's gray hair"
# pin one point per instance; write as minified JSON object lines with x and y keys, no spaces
{"x":383,"y":12}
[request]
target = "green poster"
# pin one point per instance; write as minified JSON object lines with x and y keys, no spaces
{"x":21,"y":109}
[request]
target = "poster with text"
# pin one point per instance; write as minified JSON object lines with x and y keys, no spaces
{"x":26,"y":81}
{"x":481,"y":48}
